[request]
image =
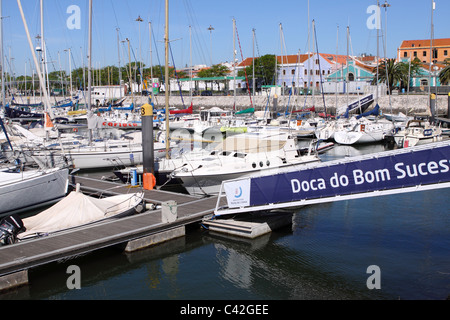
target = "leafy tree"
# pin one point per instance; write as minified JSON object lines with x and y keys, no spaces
{"x":217,"y":70}
{"x":264,"y":69}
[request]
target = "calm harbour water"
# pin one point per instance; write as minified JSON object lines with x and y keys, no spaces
{"x":324,"y":254}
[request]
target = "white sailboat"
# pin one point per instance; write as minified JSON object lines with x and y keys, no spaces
{"x":23,"y":187}
{"x":364,"y":131}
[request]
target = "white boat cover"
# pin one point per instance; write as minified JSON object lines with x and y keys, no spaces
{"x":78,"y":209}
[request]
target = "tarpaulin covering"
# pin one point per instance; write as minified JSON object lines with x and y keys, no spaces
{"x":78,"y":209}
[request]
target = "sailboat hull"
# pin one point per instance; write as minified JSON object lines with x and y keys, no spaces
{"x":20,"y":191}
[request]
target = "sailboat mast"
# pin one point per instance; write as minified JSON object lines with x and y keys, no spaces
{"x":41,"y":77}
{"x":90,"y":65}
{"x":378,"y":56}
{"x":167,"y":84}
{"x":234,"y":64}
{"x":190,"y":62}
{"x":431,"y":54}
{"x":1,"y":55}
{"x":118,"y":55}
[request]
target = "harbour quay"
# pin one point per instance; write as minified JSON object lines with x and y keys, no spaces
{"x":169,"y":215}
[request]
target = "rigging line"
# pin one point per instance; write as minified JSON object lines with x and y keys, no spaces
{"x":320,"y":72}
{"x":199,"y":43}
{"x":246,"y":76}
{"x":176,"y":75}
{"x":157,"y":56}
{"x":292,"y":87}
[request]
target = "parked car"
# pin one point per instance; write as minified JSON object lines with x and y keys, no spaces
{"x":206,"y":93}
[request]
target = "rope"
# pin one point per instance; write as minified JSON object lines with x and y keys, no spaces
{"x":246,"y":77}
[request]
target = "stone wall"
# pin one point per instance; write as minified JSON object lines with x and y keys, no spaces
{"x":389,"y":104}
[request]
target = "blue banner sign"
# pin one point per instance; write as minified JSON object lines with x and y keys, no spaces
{"x":403,"y":170}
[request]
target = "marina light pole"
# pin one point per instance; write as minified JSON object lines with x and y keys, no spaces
{"x":139,"y":20}
{"x":210,"y":43}
{"x":385,"y":6}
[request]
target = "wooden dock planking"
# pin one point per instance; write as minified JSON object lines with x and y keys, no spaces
{"x":78,"y":241}
{"x":101,"y":187}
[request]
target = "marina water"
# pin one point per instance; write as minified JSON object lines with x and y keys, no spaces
{"x":327,"y":253}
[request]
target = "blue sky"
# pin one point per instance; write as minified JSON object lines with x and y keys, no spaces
{"x":406,"y":20}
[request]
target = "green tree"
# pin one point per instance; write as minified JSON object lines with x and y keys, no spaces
{"x":217,"y":70}
{"x":264,"y":69}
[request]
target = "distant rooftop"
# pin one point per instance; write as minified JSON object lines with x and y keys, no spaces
{"x":445,"y":42}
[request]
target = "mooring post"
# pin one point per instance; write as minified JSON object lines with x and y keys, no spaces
{"x":275,"y":106}
{"x":448,"y":107}
{"x":148,"y":155}
{"x":433,"y":107}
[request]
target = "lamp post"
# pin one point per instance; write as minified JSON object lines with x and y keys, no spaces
{"x":385,"y":6}
{"x":210,"y":43}
{"x":139,"y":20}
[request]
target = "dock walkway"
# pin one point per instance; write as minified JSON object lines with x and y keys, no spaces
{"x":16,"y":259}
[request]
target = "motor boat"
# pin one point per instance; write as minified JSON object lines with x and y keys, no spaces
{"x":248,"y":154}
{"x":417,"y":132}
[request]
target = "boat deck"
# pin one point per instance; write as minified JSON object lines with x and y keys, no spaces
{"x":28,"y":254}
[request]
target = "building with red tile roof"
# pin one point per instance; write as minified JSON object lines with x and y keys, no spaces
{"x":420,"y":49}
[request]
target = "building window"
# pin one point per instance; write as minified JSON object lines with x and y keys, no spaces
{"x":317,"y":84}
{"x":405,"y":54}
{"x":317,"y":72}
{"x":293,"y":71}
{"x":317,"y":61}
{"x":424,"y":54}
{"x":305,"y":84}
{"x":351,"y":77}
{"x":435,"y":53}
{"x":445,"y":52}
{"x":284,"y":72}
{"x":415,"y":53}
{"x":424,"y":82}
{"x":306,"y":72}
{"x":310,"y":72}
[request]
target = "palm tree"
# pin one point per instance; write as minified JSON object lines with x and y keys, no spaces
{"x":395,"y":74}
{"x":444,"y":75}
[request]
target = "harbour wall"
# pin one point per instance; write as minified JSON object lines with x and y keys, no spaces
{"x":408,"y":104}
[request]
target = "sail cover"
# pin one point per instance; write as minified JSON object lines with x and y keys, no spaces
{"x":78,"y":209}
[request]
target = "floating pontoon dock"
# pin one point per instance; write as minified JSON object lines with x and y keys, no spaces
{"x":132,"y":233}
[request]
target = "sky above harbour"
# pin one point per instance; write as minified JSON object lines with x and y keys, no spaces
{"x":280,"y":28}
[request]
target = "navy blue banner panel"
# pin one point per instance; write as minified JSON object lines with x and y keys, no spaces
{"x":381,"y":172}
